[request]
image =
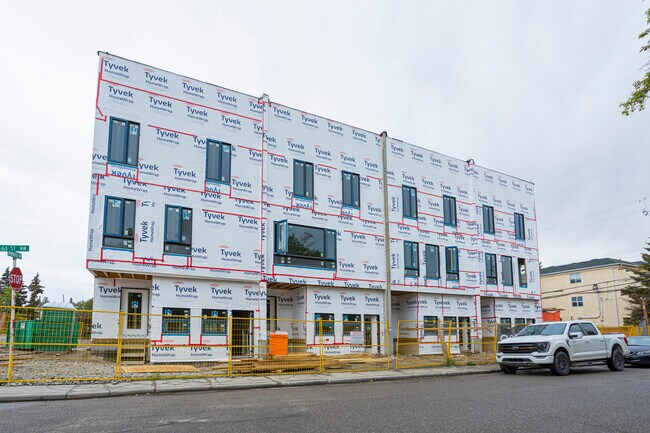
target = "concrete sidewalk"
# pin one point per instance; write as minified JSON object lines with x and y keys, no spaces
{"x":93,"y":390}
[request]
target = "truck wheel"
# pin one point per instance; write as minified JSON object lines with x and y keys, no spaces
{"x":616,"y":362}
{"x":561,"y":364}
{"x":508,"y":369}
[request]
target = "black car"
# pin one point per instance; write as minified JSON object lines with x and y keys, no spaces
{"x":639,"y":351}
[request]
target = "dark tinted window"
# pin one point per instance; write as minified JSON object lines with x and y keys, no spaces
{"x":409,"y":201}
{"x":351,"y":189}
{"x":491,"y":268}
{"x":449,"y":205}
{"x":306,"y":241}
{"x":432,"y":259}
{"x":589,"y":329}
{"x":488,"y":220}
{"x":506,"y":270}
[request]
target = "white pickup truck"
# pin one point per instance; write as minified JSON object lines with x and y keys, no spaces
{"x":561,"y":345}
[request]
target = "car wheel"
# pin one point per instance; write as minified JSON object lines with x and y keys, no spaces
{"x":616,"y":362}
{"x":508,"y":369}
{"x":561,"y":364}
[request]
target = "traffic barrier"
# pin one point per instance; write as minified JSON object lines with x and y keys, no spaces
{"x":629,"y":331}
{"x":65,"y":345}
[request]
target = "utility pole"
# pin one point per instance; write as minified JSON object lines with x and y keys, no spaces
{"x":387,"y":290}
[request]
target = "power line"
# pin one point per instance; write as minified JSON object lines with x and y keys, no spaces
{"x":609,"y":289}
{"x":590,"y":224}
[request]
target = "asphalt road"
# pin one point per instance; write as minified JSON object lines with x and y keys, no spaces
{"x":589,"y":400}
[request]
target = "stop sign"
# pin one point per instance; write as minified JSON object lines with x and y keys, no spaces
{"x":16,"y":279}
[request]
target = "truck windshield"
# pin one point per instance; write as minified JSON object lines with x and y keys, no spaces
{"x":547,"y":329}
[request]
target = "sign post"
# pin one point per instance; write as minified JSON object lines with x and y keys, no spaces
{"x":16,"y":282}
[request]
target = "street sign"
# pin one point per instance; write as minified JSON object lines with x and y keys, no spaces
{"x":16,"y":279}
{"x":14,"y":255}
{"x":14,"y":248}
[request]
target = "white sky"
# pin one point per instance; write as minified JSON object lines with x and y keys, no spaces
{"x":527,"y":88}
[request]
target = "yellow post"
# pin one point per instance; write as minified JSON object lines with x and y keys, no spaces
{"x":495,"y":341}
{"x":229,"y":345}
{"x":322,"y":349}
{"x":118,"y":355}
{"x":397,"y":345}
{"x":449,"y":341}
{"x":10,"y":371}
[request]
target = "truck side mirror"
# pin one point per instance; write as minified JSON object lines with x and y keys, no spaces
{"x":575,"y":335}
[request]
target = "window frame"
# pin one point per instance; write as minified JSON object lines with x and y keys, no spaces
{"x":523,"y":276}
{"x":435,"y":321}
{"x":447,"y":209}
{"x":409,"y":202}
{"x":575,"y":277}
{"x":281,"y":246}
{"x":221,"y":145}
{"x":427,"y":265}
{"x":577,"y":301}
{"x":126,"y":143}
{"x":304,"y":181}
{"x":491,"y":272}
{"x":585,"y":328}
{"x":179,"y":241}
{"x":510,"y":282}
{"x":218,"y":319}
{"x":450,"y":271}
{"x":355,"y":189}
{"x":411,"y":269}
{"x":351,"y":325}
{"x":520,"y":227}
{"x":488,"y":220}
{"x":123,"y":237}
{"x":180,"y":318}
{"x":330,"y":324}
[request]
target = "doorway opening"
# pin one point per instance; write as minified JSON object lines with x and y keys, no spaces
{"x":135,"y":303}
{"x":242,"y":333}
{"x":372,"y":333}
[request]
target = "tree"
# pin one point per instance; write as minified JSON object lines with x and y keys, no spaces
{"x":84,"y":305}
{"x":21,"y":297}
{"x":5,"y":290}
{"x":639,"y":291}
{"x":35,"y":291}
{"x":638,"y":97}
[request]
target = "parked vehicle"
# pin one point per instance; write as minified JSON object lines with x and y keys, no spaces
{"x":559,"y":346}
{"x":639,"y":351}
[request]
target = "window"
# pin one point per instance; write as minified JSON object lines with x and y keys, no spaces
{"x":214,"y":322}
{"x":575,"y":278}
{"x":577,"y":301}
{"x":575,"y":328}
{"x":491,"y":268}
{"x":520,"y":231}
{"x":520,"y":321}
{"x":432,"y":261}
{"x":530,"y":321}
{"x":411,"y":259}
{"x":488,"y":220}
{"x":218,"y":161}
{"x":178,"y":230}
{"x":299,"y":245}
{"x":507,"y":321}
{"x":449,"y":207}
{"x":409,"y":202}
{"x":303,"y":179}
{"x":119,"y":223}
{"x":351,"y":322}
{"x":451,"y":259}
{"x":449,"y":321}
{"x":328,"y":324}
{"x":351,"y":191}
{"x":523,"y":274}
{"x":176,"y":321}
{"x":589,"y":329}
{"x":506,"y":270}
{"x":430,"y":325}
{"x":123,"y":142}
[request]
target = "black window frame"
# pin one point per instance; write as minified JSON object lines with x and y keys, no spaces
{"x":171,"y":314}
{"x":523,"y":276}
{"x":351,"y":323}
{"x":432,"y":267}
{"x":585,"y":328}
{"x":354,"y":186}
{"x":433,"y":329}
{"x":328,"y":324}
{"x":412,"y":252}
{"x":210,"y":320}
{"x":307,"y":182}
{"x":409,"y":202}
{"x":222,"y":148}
{"x":510,"y":282}
{"x":178,"y":246}
{"x":520,"y":227}
{"x":126,"y":239}
{"x":283,"y":256}
{"x":450,"y":215}
{"x":126,"y":145}
{"x":488,"y":220}
{"x":491,"y":269}
{"x":452,"y":274}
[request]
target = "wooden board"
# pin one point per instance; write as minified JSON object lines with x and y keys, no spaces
{"x":153,"y":368}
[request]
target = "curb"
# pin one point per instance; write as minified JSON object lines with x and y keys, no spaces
{"x":84,"y":391}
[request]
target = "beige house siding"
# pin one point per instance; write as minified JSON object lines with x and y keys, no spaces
{"x":609,"y":279}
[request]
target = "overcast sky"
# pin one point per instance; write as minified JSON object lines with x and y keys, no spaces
{"x":527,"y":88}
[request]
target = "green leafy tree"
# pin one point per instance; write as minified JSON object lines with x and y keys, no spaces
{"x":641,"y":92}
{"x":35,"y":291}
{"x":21,"y":296}
{"x":639,"y":291}
{"x":84,"y":305}
{"x":5,"y":290}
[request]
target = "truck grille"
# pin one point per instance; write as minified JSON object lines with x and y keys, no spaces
{"x":518,"y":348}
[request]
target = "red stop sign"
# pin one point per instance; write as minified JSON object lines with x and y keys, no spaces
{"x":16,"y":279}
